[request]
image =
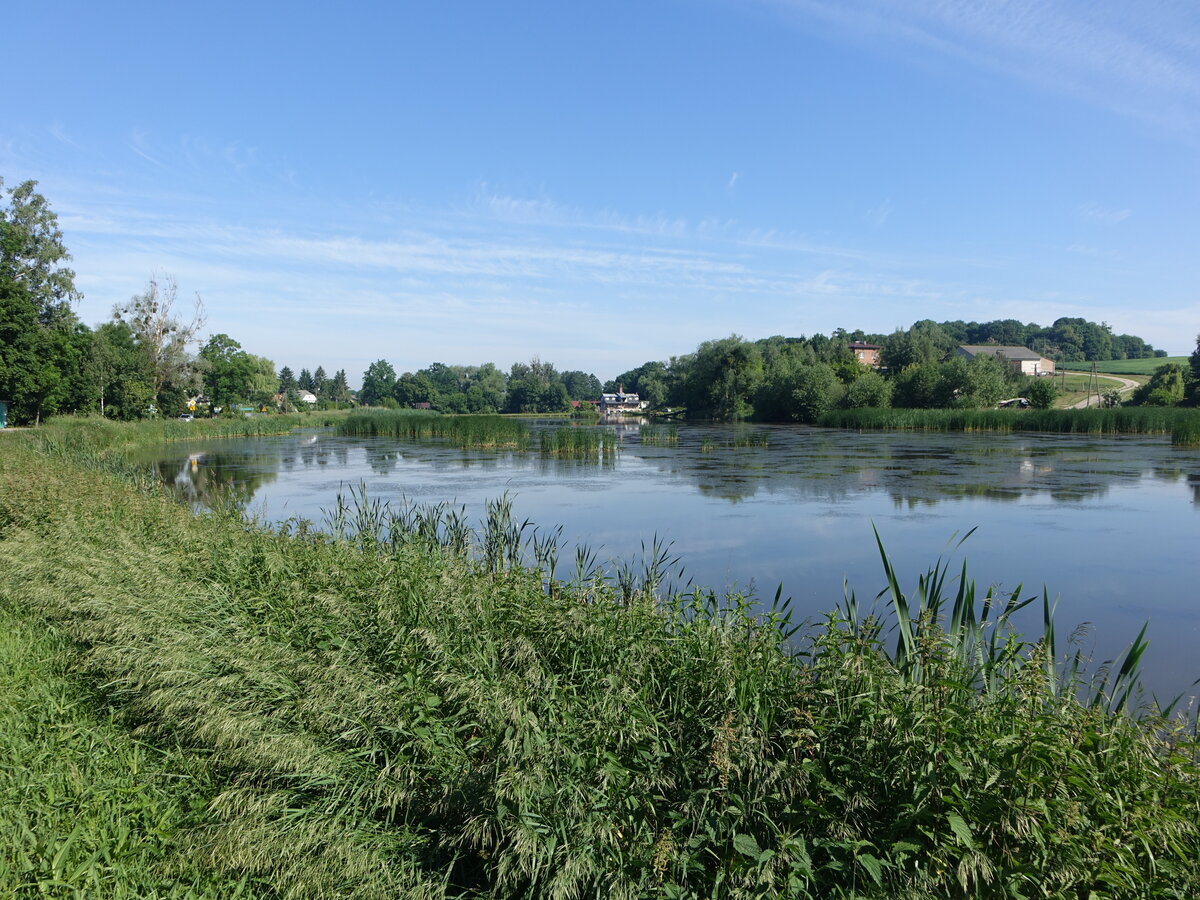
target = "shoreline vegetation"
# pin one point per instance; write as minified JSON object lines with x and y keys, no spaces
{"x":1182,"y":424}
{"x":398,"y":706}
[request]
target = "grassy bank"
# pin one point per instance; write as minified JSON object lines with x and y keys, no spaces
{"x":92,"y":434}
{"x":1182,"y":424}
{"x":87,"y":809}
{"x":404,"y":709}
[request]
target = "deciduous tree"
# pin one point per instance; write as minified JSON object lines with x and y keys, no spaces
{"x":163,"y":337}
{"x":36,"y":320}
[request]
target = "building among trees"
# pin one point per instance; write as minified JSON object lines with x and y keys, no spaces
{"x":1020,"y":359}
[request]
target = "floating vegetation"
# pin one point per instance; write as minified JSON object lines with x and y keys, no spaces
{"x":466,"y":432}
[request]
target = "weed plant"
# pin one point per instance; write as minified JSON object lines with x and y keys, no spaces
{"x":396,"y":711}
{"x":467,"y":432}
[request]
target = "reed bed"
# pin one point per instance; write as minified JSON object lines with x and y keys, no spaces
{"x":402,"y":707}
{"x":660,"y":436}
{"x":1186,"y":431}
{"x":94,"y":434}
{"x":467,"y":432}
{"x":578,"y":442}
{"x":740,"y":440}
{"x":1121,"y":420}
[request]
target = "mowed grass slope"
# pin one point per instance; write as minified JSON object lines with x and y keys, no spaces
{"x":379,"y":716}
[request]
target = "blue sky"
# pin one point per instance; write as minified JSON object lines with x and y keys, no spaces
{"x":603,"y":184}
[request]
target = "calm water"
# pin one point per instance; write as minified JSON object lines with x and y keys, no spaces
{"x":1108,"y":525}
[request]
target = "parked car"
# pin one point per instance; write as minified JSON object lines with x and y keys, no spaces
{"x":186,"y":417}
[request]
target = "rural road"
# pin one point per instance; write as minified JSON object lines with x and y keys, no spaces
{"x":1127,"y":385}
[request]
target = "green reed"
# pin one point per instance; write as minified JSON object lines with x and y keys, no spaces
{"x":467,"y":432}
{"x":578,"y":442}
{"x":1121,"y":420}
{"x":659,"y":436}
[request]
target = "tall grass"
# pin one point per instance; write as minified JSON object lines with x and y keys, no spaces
{"x":578,"y":442}
{"x":660,"y":436}
{"x":94,"y":434}
{"x":1122,"y":420}
{"x":87,"y":809}
{"x":397,"y":711}
{"x":482,"y":431}
{"x":1186,"y":430}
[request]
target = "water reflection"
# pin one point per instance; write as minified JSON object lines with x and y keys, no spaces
{"x":208,"y":477}
{"x":1110,"y":523}
{"x":806,"y":464}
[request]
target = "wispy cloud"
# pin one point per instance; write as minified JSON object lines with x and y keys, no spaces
{"x":877,"y":216}
{"x":1138,"y":60}
{"x":1104,"y":215}
{"x":138,"y":144}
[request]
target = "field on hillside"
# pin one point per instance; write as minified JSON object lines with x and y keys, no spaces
{"x":1126,"y":366}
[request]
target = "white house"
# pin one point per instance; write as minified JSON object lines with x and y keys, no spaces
{"x":307,"y":397}
{"x":620,"y":402}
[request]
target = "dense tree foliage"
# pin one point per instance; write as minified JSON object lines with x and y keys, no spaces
{"x":378,"y":383}
{"x":796,"y":379}
{"x":1166,"y":387}
{"x":1067,"y":340}
{"x":234,"y":377}
{"x":41,"y":351}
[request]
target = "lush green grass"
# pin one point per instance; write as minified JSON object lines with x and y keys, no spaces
{"x":1127,"y":366}
{"x":86,"y":809}
{"x":1182,"y":424}
{"x":483,"y":431}
{"x":402,"y":709}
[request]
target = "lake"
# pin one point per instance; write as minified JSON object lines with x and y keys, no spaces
{"x":1108,"y":524}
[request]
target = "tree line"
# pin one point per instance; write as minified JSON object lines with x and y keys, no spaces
{"x":533,"y":387}
{"x":796,"y":379}
{"x":144,"y":360}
